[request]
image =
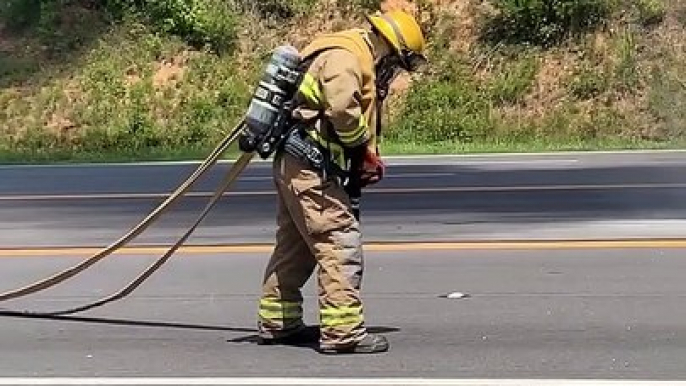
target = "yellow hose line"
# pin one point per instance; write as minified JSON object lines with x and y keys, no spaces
{"x":370,"y":246}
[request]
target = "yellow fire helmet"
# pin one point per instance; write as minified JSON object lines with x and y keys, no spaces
{"x":402,"y":31}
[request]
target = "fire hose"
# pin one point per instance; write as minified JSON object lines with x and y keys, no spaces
{"x":60,"y":277}
{"x":263,"y":129}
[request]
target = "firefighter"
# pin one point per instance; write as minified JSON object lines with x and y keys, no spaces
{"x":332,"y":152}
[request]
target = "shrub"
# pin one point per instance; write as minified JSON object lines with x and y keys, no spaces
{"x":368,"y":4}
{"x":588,"y":83}
{"x":627,"y":74}
{"x":19,"y":14}
{"x":200,"y":22}
{"x":650,"y":12}
{"x":361,"y":4}
{"x":680,"y":15}
{"x":667,"y":101}
{"x":282,"y":9}
{"x":449,"y":107}
{"x":511,"y":84}
{"x":544,"y":22}
{"x":210,"y":23}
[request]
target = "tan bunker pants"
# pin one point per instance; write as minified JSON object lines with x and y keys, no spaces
{"x":316,"y":228}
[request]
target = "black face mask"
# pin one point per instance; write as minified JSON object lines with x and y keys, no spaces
{"x":386,"y":71}
{"x":390,"y":67}
{"x":411,"y":61}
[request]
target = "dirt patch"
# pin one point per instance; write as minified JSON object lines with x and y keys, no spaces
{"x":463,"y":17}
{"x":547,"y":92}
{"x":459,"y":18}
{"x":132,"y":76}
{"x":60,"y":124}
{"x":398,"y":4}
{"x":548,"y":85}
{"x":170,"y":71}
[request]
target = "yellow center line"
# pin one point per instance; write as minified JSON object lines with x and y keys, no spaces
{"x":438,"y":189}
{"x":374,"y":247}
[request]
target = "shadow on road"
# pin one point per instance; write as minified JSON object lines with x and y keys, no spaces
{"x":123,"y":322}
{"x":313,"y":332}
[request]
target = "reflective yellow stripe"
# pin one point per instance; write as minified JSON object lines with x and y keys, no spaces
{"x":341,"y":316}
{"x":310,"y":89}
{"x":279,"y":303}
{"x":356,"y":135}
{"x":336,"y":149}
{"x":279,"y":315}
{"x":339,"y":311}
{"x":343,"y":321}
{"x":279,"y":309}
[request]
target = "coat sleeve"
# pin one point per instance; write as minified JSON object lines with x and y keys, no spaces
{"x":340,"y":78}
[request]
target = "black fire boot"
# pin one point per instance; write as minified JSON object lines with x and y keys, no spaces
{"x":370,"y":344}
{"x":306,"y":336}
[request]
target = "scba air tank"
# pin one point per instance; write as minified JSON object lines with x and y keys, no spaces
{"x":266,"y":109}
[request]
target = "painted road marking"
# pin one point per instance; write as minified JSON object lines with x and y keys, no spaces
{"x":374,"y":247}
{"x":395,"y":176}
{"x":444,"y":189}
{"x":419,"y":159}
{"x":334,"y":381}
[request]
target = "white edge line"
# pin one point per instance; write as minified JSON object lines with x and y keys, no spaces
{"x":249,"y":193}
{"x":398,"y":160}
{"x":331,"y":381}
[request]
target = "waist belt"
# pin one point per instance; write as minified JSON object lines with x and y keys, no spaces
{"x":301,"y":146}
{"x":305,"y":149}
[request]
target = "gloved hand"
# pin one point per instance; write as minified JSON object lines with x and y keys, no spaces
{"x":372,"y":168}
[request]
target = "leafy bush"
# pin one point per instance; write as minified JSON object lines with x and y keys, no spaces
{"x":667,"y":100}
{"x":200,"y":22}
{"x":43,"y":15}
{"x":650,"y":12}
{"x":360,"y":4}
{"x":512,"y":83}
{"x":588,"y":83}
{"x":450,"y":107}
{"x":627,"y":72}
{"x":680,"y":15}
{"x":282,"y":9}
{"x":544,"y":22}
{"x":368,"y":4}
{"x":19,"y":14}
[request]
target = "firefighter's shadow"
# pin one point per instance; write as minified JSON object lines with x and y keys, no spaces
{"x":312,"y":333}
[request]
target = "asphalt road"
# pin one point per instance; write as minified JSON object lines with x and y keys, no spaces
{"x":454,"y":198}
{"x":582,"y":314}
{"x":553,"y":311}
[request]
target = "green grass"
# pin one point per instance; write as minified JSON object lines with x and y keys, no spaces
{"x":387,"y":148}
{"x":135,"y":92}
{"x":524,"y":147}
{"x":103,"y":101}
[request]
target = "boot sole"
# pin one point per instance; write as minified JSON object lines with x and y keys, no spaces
{"x":353,"y":350}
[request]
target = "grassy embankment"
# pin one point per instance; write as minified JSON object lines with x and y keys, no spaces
{"x":158,"y":79}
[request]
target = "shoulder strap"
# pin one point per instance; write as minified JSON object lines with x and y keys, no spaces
{"x":307,"y":61}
